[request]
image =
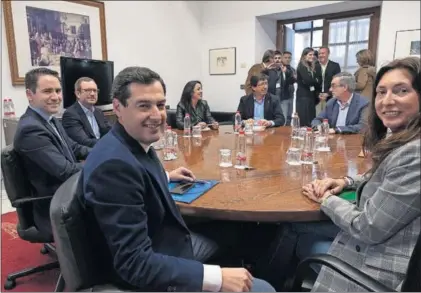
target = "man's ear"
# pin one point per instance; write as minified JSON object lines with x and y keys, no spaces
{"x":29,"y":95}
{"x":117,"y":107}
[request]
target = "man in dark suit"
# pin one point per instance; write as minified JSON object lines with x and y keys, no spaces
{"x":261,"y":105}
{"x":346,"y":111}
{"x":134,"y":221}
{"x":329,"y":69}
{"x":49,"y":156}
{"x":280,"y":78}
{"x":83,"y":122}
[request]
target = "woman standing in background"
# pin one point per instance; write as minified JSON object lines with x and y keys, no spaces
{"x":365,"y":75}
{"x":309,"y":78}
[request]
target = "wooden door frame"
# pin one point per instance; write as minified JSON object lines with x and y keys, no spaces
{"x":373,"y":34}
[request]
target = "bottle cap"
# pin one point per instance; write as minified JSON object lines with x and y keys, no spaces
{"x":325,"y":120}
{"x":309,"y":129}
{"x":168,"y":127}
{"x":241,"y":131}
{"x":238,"y":112}
{"x":187,"y":115}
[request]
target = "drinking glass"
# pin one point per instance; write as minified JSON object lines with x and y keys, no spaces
{"x":197,"y":131}
{"x":225,"y":159}
{"x":248,"y":128}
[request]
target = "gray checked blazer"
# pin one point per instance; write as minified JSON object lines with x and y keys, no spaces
{"x":379,"y":233}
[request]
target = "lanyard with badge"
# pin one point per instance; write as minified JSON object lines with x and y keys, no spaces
{"x":312,"y":88}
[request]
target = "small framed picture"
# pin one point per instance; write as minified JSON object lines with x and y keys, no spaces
{"x":222,"y":61}
{"x":407,"y":43}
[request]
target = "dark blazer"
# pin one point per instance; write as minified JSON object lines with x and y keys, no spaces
{"x":272,"y":109}
{"x":332,"y":69}
{"x":78,"y":127}
{"x":45,"y":159}
{"x":355,"y":119}
{"x":141,"y":234}
{"x":306,"y":80}
{"x":202,"y":113}
{"x":275,"y":75}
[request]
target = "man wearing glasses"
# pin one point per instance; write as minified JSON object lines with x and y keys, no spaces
{"x":83,"y":122}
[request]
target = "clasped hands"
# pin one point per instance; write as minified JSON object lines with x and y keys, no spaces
{"x":214,"y":125}
{"x":261,"y":122}
{"x":319,"y":190}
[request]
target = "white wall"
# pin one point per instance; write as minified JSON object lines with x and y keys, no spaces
{"x":395,"y":16}
{"x":265,"y":34}
{"x":235,"y":24}
{"x":164,"y":35}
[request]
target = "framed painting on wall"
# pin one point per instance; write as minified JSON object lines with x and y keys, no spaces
{"x":39,"y":32}
{"x":407,"y":43}
{"x":222,"y":61}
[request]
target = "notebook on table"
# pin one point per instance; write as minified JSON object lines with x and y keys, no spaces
{"x":194,"y":193}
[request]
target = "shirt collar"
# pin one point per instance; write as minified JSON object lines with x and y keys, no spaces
{"x":86,"y":109}
{"x":343,"y":106}
{"x":47,"y":117}
{"x":259,"y":102}
{"x":145,"y":147}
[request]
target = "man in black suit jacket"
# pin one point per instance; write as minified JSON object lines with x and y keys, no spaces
{"x":83,"y":122}
{"x":134,"y":222}
{"x":329,"y":69}
{"x":261,"y":105}
{"x":49,"y":156}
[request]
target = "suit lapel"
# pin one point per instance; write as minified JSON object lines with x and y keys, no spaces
{"x":250,"y":106}
{"x":335,"y":113}
{"x":352,"y":109}
{"x":267,"y":105}
{"x":84,"y":120}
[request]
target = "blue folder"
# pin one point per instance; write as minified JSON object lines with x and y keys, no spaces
{"x":195,"y":192}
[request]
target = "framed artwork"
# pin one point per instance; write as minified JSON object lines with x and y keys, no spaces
{"x":407,"y":43}
{"x":39,"y":32}
{"x":222,"y":61}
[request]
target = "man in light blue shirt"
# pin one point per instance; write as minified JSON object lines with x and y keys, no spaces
{"x":346,"y":111}
{"x":83,"y":122}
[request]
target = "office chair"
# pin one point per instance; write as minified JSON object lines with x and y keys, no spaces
{"x":81,"y":267}
{"x":18,"y":191}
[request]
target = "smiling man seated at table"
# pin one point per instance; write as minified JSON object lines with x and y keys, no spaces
{"x":261,"y":106}
{"x":135,"y":224}
{"x":346,"y":111}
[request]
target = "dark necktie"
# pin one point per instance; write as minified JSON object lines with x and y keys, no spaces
{"x":67,"y":150}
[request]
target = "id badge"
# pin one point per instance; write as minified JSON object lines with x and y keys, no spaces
{"x":312,"y":89}
{"x":278,"y":85}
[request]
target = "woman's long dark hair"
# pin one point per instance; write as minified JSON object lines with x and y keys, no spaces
{"x":187,"y":94}
{"x":310,"y":66}
{"x":375,"y":140}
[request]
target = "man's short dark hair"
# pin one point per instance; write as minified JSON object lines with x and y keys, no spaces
{"x":267,"y":56}
{"x":32,"y":76}
{"x":287,"y":52}
{"x":325,"y":47}
{"x":80,"y":80}
{"x":254,"y":80}
{"x":140,"y":75}
{"x":277,"y":52}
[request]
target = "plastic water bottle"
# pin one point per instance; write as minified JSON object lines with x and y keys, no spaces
{"x":295,"y":121}
{"x":12,"y":108}
{"x":324,"y":132}
{"x":240,"y":155}
{"x":237,"y":122}
{"x":187,"y":126}
{"x":8,"y":108}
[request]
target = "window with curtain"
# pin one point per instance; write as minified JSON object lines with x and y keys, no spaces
{"x":346,"y":38}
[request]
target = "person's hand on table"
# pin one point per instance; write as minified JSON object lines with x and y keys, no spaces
{"x":335,"y":186}
{"x":265,"y":123}
{"x":250,"y":120}
{"x":236,"y":280}
{"x":215,"y":125}
{"x":202,"y":124}
{"x":308,"y":190}
{"x":181,"y":174}
{"x":332,"y":131}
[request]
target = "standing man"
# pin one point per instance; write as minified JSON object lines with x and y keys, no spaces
{"x":84,"y":123}
{"x":134,"y":221}
{"x":49,"y":156}
{"x":256,"y":69}
{"x":329,"y":70}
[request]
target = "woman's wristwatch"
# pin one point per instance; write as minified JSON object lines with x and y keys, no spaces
{"x":349,"y":181}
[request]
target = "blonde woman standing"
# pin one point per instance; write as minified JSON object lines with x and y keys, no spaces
{"x":365,"y":75}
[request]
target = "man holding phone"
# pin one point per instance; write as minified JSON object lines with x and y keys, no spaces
{"x":146,"y":243}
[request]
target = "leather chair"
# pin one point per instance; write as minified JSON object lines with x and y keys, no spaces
{"x":18,"y":191}
{"x":223,"y":118}
{"x":81,"y":266}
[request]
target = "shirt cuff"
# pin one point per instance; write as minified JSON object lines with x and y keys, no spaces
{"x":273,"y":123}
{"x":168,"y":176}
{"x":212,"y":278}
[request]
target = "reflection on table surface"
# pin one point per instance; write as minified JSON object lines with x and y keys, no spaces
{"x":272,"y":191}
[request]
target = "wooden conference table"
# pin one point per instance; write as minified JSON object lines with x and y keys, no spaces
{"x":272,"y":191}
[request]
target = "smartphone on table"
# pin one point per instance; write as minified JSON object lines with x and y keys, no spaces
{"x":182,"y":188}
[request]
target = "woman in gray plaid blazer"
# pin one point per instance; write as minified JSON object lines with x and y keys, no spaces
{"x":378,"y":233}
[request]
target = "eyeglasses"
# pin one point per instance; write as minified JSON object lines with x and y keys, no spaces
{"x":95,"y":91}
{"x":335,"y":85}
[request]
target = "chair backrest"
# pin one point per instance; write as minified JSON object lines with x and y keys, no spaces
{"x":412,"y":281}
{"x":17,"y":188}
{"x":80,"y":265}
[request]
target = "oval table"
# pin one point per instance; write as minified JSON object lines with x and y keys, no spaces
{"x":272,"y":191}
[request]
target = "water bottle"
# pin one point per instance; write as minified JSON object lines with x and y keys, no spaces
{"x":307,"y":153}
{"x":295,"y":125}
{"x":240,"y":155}
{"x":6,"y":108}
{"x":237,"y":122}
{"x":187,"y":126}
{"x":324,"y":132}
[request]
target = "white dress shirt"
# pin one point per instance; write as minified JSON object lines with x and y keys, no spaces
{"x":212,"y":274}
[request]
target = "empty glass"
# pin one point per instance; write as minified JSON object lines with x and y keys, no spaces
{"x":197,"y":131}
{"x":294,"y":156}
{"x":248,"y":128}
{"x":225,"y":159}
{"x":320,"y":143}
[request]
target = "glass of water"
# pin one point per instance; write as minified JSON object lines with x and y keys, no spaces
{"x":294,"y":156}
{"x":225,"y":159}
{"x":197,"y":131}
{"x":248,"y":128}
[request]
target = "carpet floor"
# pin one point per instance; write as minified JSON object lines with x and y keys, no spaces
{"x":17,"y":254}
